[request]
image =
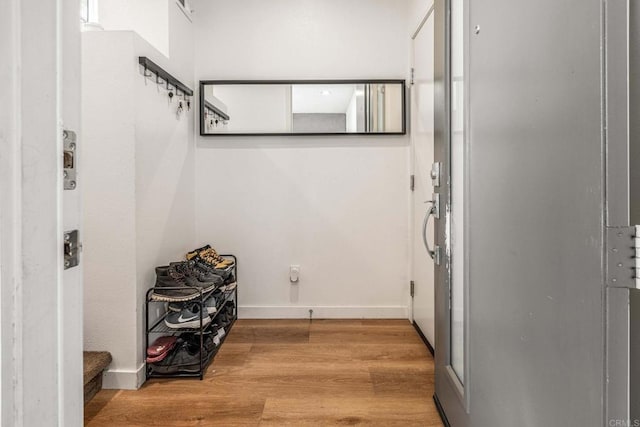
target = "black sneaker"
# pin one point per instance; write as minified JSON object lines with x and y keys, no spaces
{"x":208,"y":340}
{"x":230,"y":308}
{"x":205,"y":274}
{"x":185,"y":358}
{"x":223,"y":273}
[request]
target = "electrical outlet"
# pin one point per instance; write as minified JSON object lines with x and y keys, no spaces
{"x":294,"y":273}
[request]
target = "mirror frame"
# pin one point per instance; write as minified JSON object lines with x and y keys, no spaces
{"x":403,"y":82}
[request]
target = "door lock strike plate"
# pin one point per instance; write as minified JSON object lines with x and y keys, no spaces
{"x":69,"y":159}
{"x":71,"y":249}
{"x":435,"y":174}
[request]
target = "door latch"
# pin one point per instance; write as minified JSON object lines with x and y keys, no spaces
{"x":71,"y":249}
{"x":436,"y":255}
{"x":70,"y":158}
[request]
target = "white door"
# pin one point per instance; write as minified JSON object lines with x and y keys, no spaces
{"x":422,"y":98}
{"x":41,"y":301}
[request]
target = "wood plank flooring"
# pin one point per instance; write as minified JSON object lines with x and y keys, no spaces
{"x":291,"y":373}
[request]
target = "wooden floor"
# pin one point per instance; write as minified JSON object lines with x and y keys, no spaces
{"x":292,"y":373}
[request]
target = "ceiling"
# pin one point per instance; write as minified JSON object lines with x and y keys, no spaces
{"x":321,"y":98}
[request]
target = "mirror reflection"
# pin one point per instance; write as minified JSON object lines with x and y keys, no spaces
{"x":303,"y":108}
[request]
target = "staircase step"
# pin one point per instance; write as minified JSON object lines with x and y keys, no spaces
{"x":95,"y":362}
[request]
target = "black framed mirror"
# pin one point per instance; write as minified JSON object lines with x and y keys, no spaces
{"x":302,"y":107}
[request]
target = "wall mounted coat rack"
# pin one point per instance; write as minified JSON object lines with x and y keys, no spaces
{"x":160,"y":73}
{"x":215,"y":111}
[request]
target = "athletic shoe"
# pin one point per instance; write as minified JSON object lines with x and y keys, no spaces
{"x":161,"y":346}
{"x":193,"y":255}
{"x":209,"y":341}
{"x":209,"y":252}
{"x":218,"y":330}
{"x":211,"y":257}
{"x":211,"y":305}
{"x":206,"y":274}
{"x":175,"y":306}
{"x":224,"y":320}
{"x":221,"y":273}
{"x":230,"y":308}
{"x":184,"y":359}
{"x":189,"y":317}
{"x":217,"y":275}
{"x":158,"y":358}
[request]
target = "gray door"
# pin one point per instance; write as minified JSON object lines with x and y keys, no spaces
{"x":536,"y":213}
{"x":450,"y":154}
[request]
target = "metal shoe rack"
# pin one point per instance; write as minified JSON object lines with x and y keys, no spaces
{"x":157,"y":327}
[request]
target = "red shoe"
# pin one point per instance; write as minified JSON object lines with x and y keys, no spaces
{"x":161,"y":346}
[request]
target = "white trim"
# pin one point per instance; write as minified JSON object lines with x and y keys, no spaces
{"x":323,"y":312}
{"x":424,"y":21}
{"x":11,"y":404}
{"x":123,"y":379}
{"x":186,"y":9}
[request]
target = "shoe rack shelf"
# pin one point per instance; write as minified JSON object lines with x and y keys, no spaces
{"x":157,"y":327}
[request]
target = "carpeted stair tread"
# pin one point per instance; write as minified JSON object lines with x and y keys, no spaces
{"x":94,"y":363}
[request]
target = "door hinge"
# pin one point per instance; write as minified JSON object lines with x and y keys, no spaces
{"x":412,"y":288}
{"x":412,"y":182}
{"x":413,"y":73}
{"x":623,"y":257}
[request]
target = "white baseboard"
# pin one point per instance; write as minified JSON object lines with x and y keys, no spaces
{"x":122,"y":379}
{"x":323,"y":312}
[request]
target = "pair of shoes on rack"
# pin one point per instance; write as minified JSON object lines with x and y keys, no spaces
{"x":160,"y":348}
{"x":229,"y":283}
{"x":184,"y":281}
{"x":188,"y":317}
{"x":210,"y":303}
{"x":184,"y":358}
{"x":207,"y":256}
{"x":227,"y":314}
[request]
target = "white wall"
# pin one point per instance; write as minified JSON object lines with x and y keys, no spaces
{"x":139,"y":195}
{"x":149,"y":18}
{"x":417,"y":11}
{"x":336,"y":206}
